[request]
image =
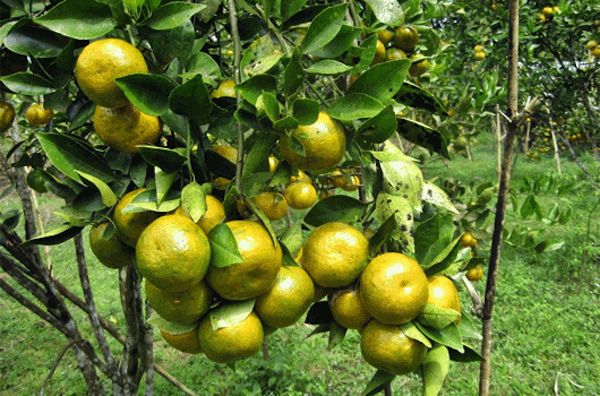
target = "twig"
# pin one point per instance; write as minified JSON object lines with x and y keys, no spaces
{"x":61,"y":354}
{"x":475,"y":297}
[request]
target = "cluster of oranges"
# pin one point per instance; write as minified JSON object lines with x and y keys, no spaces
{"x":117,"y":122}
{"x":548,"y":13}
{"x":36,"y":114}
{"x":400,"y":44}
{"x":479,"y":52}
{"x":593,"y":47}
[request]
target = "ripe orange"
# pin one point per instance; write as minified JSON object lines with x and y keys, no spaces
{"x":37,"y":115}
{"x":7,"y":115}
{"x":173,"y":253}
{"x":183,"y":307}
{"x":130,"y":225}
{"x":419,"y":65}
{"x":274,"y":205}
{"x":394,"y":288}
{"x":187,"y":342}
{"x":395,"y":54}
{"x":467,"y":240}
{"x":379,"y":53}
{"x":387,"y":348}
{"x":111,"y":252}
{"x":475,"y":274}
{"x":215,"y":213}
{"x":348,"y":310}
{"x":258,"y":271}
{"x":100,"y":63}
{"x":385,"y":36}
{"x":335,"y":254}
{"x":300,"y":195}
{"x":443,"y":293}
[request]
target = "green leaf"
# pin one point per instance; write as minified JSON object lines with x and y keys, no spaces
{"x":7,"y":27}
{"x":173,"y":14}
{"x":436,"y":196}
{"x":193,"y":200}
{"x":182,"y":39}
{"x":319,"y":313}
{"x":191,"y":99}
{"x":324,"y":28}
{"x":388,"y":12}
{"x":147,"y":201}
{"x":288,"y":257}
{"x":224,"y":247}
{"x":69,"y":155}
{"x":377,"y":383}
{"x":383,"y":80}
{"x":328,"y":67}
{"x":469,"y":355}
{"x":168,"y":160}
{"x":445,"y":258}
{"x":413,"y":95}
{"x":79,"y":19}
{"x":293,"y":76}
{"x":254,"y":87}
{"x":434,"y":236}
{"x":149,"y":93}
{"x":56,"y":236}
{"x":203,"y":64}
{"x":336,"y":335}
{"x":108,"y":196}
{"x":268,"y":104}
{"x":263,"y":218}
{"x":434,"y":369}
{"x":383,"y":234}
{"x":231,"y":313}
{"x":352,"y":107}
{"x":286,"y":124}
{"x":33,"y":41}
{"x":262,"y":65}
{"x":292,"y":238}
{"x":256,"y":160}
{"x":84,"y":114}
{"x":271,"y":8}
{"x":340,"y":208}
{"x":164,"y":181}
{"x":436,"y":317}
{"x":467,"y":327}
{"x":290,"y":8}
{"x":412,"y":331}
{"x":379,"y":128}
{"x":177,"y":123}
{"x":306,"y":111}
{"x":170,"y":327}
{"x":340,"y":44}
{"x":366,"y":54}
{"x":26,"y":83}
{"x":391,"y":205}
{"x":401,"y":178}
{"x":449,"y":336}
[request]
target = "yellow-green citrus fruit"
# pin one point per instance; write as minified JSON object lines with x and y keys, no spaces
{"x":112,"y":252}
{"x":302,"y":177}
{"x":461,"y":142}
{"x":335,"y":254}
{"x":257,"y":272}
{"x":354,"y":185}
{"x":385,"y":36}
{"x":300,"y":195}
{"x":130,"y":225}
{"x":443,"y":293}
{"x":100,"y":63}
{"x":387,"y":348}
{"x":215,"y":213}
{"x":183,"y":307}
{"x":548,"y":11}
{"x":7,"y":115}
{"x":338,"y":179}
{"x":406,"y":38}
{"x":480,"y":55}
{"x":394,"y":288}
{"x":348,"y":310}
{"x":475,"y":274}
{"x":126,"y":127}
{"x":173,"y":253}
{"x":596,"y":52}
{"x":591,"y":44}
{"x":273,"y":162}
{"x":287,"y":300}
{"x":37,"y":115}
{"x":395,"y":54}
{"x":467,"y":240}
{"x":478,"y":48}
{"x":379,"y":53}
{"x":324,"y":143}
{"x":187,"y":342}
{"x":272,"y":204}
{"x":419,"y":65}
{"x":225,"y":90}
{"x":230,"y":344}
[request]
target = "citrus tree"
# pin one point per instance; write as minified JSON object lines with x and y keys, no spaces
{"x":236,"y":163}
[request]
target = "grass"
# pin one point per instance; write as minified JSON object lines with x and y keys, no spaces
{"x":545,"y":320}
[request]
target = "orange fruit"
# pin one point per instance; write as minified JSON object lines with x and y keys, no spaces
{"x":348,"y":310}
{"x":7,"y":115}
{"x":130,"y":225}
{"x":443,"y":293}
{"x":37,"y":115}
{"x":300,"y":195}
{"x":226,"y":89}
{"x":274,"y":205}
{"x":406,"y":38}
{"x":475,"y":274}
{"x":183,"y":307}
{"x":112,"y":252}
{"x":187,"y":342}
{"x":467,"y":240}
{"x":394,"y":288}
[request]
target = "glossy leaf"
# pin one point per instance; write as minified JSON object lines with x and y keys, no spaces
{"x":434,"y":235}
{"x":262,"y":65}
{"x":437,"y":317}
{"x":177,"y":123}
{"x":26,"y":83}
{"x":355,"y":106}
{"x":170,"y":327}
{"x":31,"y":40}
{"x":383,"y":234}
{"x":147,"y":201}
{"x":340,"y":208}
{"x":70,"y":155}
{"x":290,"y":8}
{"x":388,"y":12}
{"x":83,"y":114}
{"x":267,"y":104}
{"x":340,"y":44}
{"x":324,"y":28}
{"x":108,"y":196}
{"x":173,"y":14}
{"x":306,"y":111}
{"x":412,"y":331}
{"x":391,"y":205}
{"x":436,"y":196}
{"x":182,"y":39}
{"x":319,"y":313}
{"x":263,"y":218}
{"x":469,"y":355}
{"x":379,"y":128}
{"x":164,"y":181}
{"x":434,"y":369}
{"x":224,"y":248}
{"x":252,"y":88}
{"x":328,"y":66}
{"x":191,"y":99}
{"x":203,"y":64}
{"x":149,"y":93}
{"x":377,"y":383}
{"x":413,"y":95}
{"x":293,"y":76}
{"x":336,"y":335}
{"x":365,"y":53}
{"x":289,"y":123}
{"x":193,"y":200}
{"x":383,"y":80}
{"x":56,"y":236}
{"x":79,"y":19}
{"x":449,"y":336}
{"x":169,"y":160}
{"x":256,"y":160}
{"x":231,"y":313}
{"x":423,"y":135}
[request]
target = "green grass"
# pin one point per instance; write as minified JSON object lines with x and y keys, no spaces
{"x":545,"y":320}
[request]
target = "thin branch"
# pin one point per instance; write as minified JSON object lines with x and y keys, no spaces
{"x":61,"y":354}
